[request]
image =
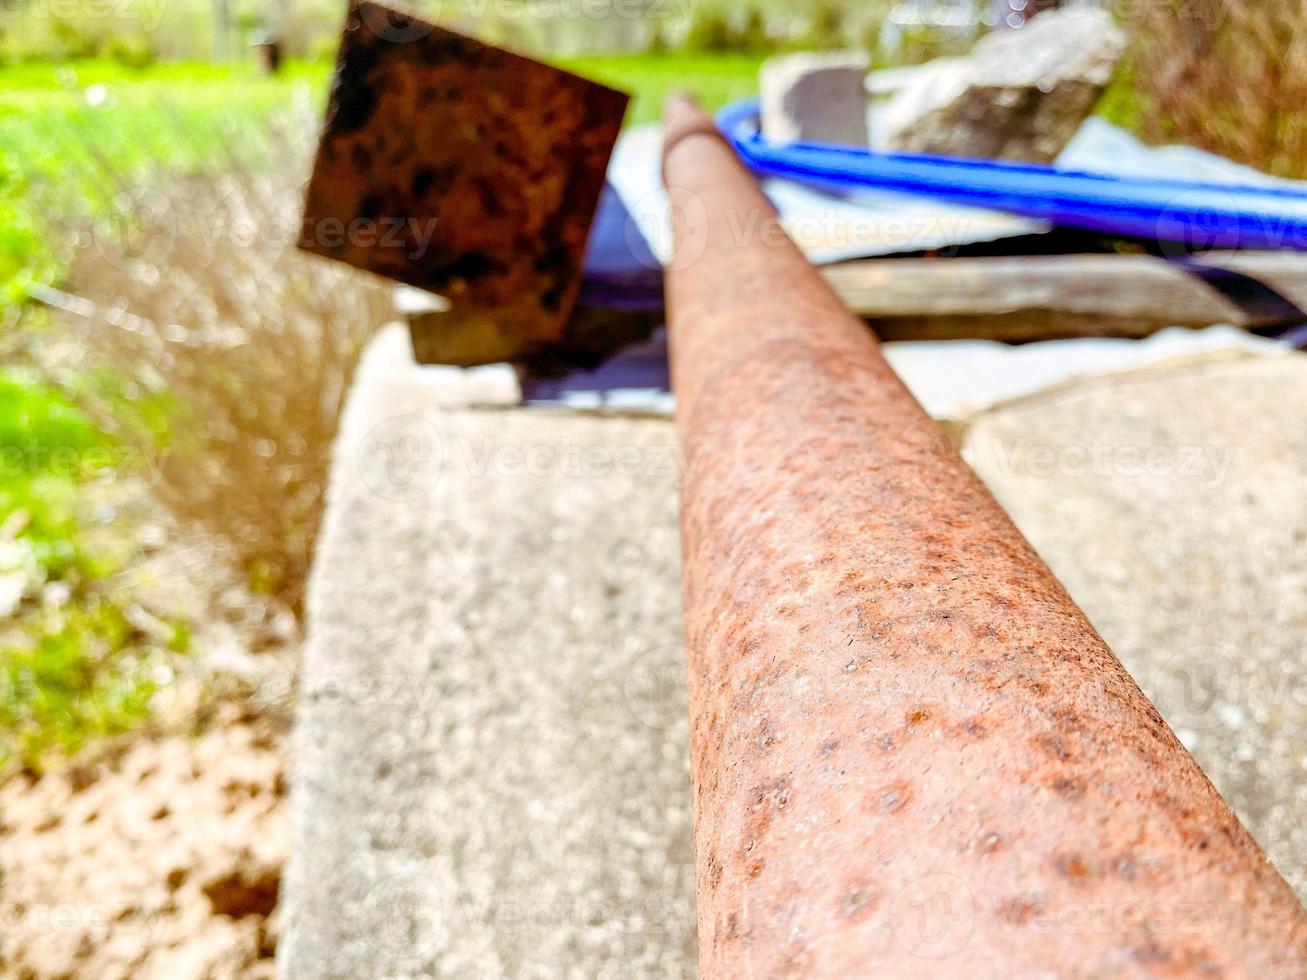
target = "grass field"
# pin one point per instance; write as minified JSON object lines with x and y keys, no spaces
{"x":65,"y":128}
{"x":72,"y":138}
{"x":72,"y":664}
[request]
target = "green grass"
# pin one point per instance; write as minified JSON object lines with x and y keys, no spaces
{"x":64,"y":128}
{"x":715,"y":79}
{"x":72,"y":666}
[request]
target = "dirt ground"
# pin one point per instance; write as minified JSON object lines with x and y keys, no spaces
{"x":161,"y":860}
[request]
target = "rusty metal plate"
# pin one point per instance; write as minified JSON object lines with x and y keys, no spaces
{"x":463,"y":169}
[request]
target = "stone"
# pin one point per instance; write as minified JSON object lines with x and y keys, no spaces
{"x":815,"y":98}
{"x":1020,"y":95}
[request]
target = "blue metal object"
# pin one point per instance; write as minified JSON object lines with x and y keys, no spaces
{"x":1189,"y":214}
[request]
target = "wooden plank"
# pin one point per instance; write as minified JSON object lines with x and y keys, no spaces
{"x":1041,"y":297}
{"x":1016,"y":298}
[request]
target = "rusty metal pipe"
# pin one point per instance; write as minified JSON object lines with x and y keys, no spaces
{"x":912,"y":754}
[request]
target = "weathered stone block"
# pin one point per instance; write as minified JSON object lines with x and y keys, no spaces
{"x":1020,"y":94}
{"x":815,"y":98}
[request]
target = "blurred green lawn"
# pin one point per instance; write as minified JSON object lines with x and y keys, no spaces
{"x":72,"y":667}
{"x":63,"y":127}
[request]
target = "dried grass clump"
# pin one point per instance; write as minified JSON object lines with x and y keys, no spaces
{"x":234,"y":350}
{"x":1229,"y":76}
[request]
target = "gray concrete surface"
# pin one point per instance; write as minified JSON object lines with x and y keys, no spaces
{"x":1172,"y":503}
{"x":490,"y":774}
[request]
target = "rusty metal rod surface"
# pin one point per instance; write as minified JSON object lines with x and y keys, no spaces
{"x":912,"y":754}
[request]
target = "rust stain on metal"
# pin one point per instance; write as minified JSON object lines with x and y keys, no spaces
{"x":912,"y":753}
{"x":463,"y":169}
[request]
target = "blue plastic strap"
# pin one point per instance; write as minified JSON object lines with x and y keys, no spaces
{"x":1195,"y":214}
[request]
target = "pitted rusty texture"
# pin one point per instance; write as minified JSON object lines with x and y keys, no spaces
{"x":913,"y":756}
{"x":463,"y":169}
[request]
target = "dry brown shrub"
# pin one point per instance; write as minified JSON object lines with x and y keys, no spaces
{"x":1229,"y":76}
{"x":191,"y":290}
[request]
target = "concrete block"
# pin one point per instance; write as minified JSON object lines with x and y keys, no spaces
{"x":1169,"y":502}
{"x":490,"y":773}
{"x":815,"y":98}
{"x":1020,"y":95}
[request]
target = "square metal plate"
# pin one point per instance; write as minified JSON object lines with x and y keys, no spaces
{"x":465,"y":170}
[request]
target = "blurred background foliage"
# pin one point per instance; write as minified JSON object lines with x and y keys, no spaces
{"x":173,"y":370}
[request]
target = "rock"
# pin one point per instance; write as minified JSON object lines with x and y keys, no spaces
{"x":815,"y":98}
{"x":1020,"y":94}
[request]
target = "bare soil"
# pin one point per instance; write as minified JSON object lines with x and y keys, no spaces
{"x":162,"y":859}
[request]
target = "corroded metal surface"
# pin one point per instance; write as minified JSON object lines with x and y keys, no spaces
{"x":912,"y":753}
{"x":463,"y":169}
